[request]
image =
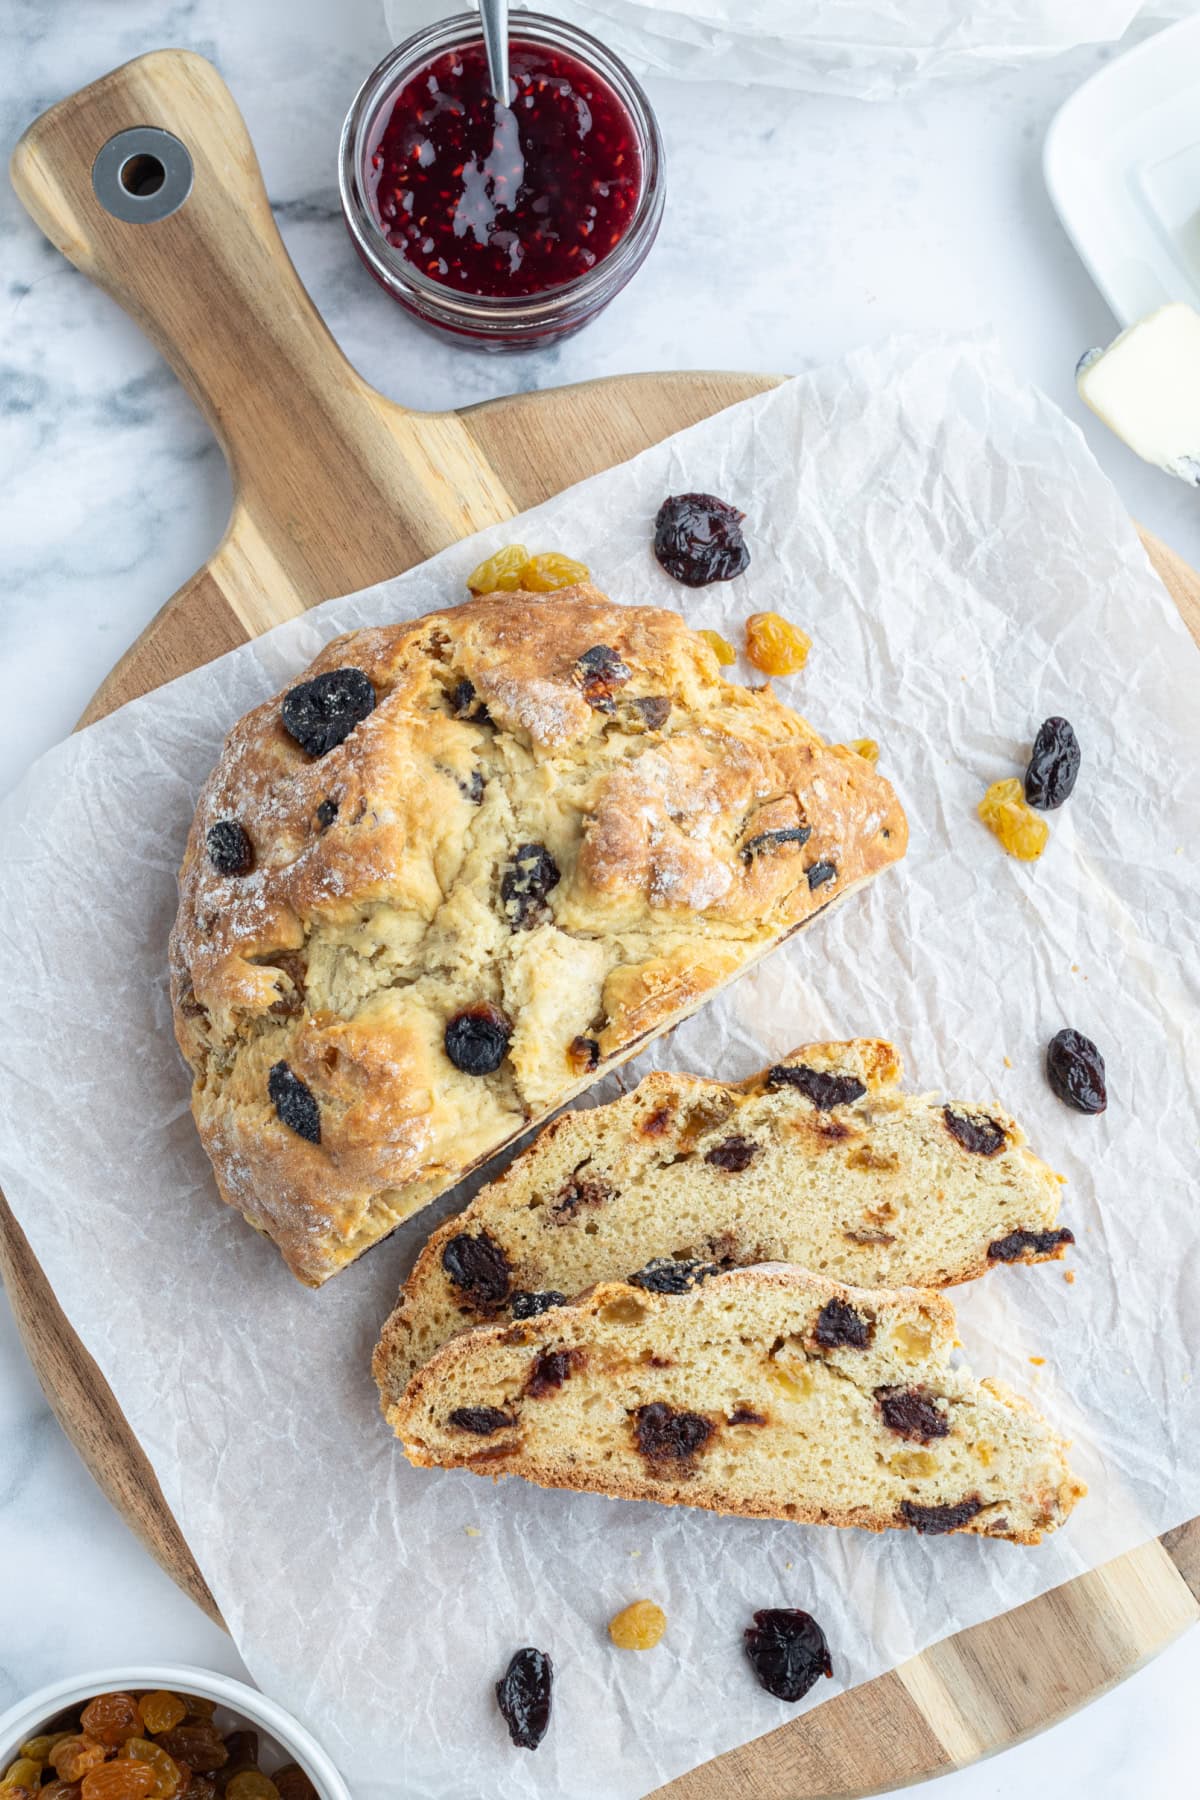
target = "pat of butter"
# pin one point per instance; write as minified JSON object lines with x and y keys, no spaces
{"x":1146,"y":388}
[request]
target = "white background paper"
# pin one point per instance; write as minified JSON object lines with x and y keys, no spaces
{"x":864,"y":49}
{"x":963,"y":570}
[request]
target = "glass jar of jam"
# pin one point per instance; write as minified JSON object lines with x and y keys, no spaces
{"x":506,"y":227}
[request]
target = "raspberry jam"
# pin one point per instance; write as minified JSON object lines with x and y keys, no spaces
{"x":506,"y":226}
{"x":500,"y":200}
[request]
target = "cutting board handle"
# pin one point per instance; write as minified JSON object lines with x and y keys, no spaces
{"x":322,"y":464}
{"x":212,"y":284}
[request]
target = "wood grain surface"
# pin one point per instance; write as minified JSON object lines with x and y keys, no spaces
{"x":336,"y":487}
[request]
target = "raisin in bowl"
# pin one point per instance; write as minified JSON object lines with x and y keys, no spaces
{"x":266,"y":1741}
{"x":502,"y":227}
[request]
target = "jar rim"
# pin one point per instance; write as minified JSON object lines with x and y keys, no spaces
{"x":446,"y":305}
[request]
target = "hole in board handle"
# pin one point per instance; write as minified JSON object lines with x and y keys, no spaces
{"x":142,"y":175}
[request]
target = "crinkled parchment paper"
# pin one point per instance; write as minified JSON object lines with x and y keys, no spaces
{"x":964,"y":570}
{"x":865,"y":49}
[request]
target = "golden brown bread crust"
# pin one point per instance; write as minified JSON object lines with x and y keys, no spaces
{"x":876,"y":1191}
{"x":358,"y":934}
{"x":569,"y":1388}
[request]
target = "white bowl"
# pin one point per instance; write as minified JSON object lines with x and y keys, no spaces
{"x":284,"y":1739}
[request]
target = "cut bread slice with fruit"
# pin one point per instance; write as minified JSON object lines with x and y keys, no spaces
{"x":821,"y":1160}
{"x":768,"y":1392}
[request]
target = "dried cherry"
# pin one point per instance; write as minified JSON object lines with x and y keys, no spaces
{"x":294,"y":1103}
{"x":1041,"y":1243}
{"x":787,"y":1650}
{"x":1053,"y":765}
{"x":653,"y":710}
{"x":465,"y":705}
{"x":476,"y":1038}
{"x":293,"y":1783}
{"x":583,"y":1054}
{"x":669,"y":1275}
{"x":524,"y":1694}
{"x":482,"y":1420}
{"x":1075,"y":1070}
{"x":599,"y":673}
{"x":976,"y":1132}
{"x":912,"y":1414}
{"x":479,"y":1269}
{"x":733,"y":1153}
{"x":774,"y":840}
{"x":578,"y":1192}
{"x":840,"y":1323}
{"x":931,"y":1521}
{"x":698,"y":539}
{"x":527,"y":880}
{"x":823,"y":1089}
{"x":320,"y":714}
{"x":550,"y":1369}
{"x":666,"y":1436}
{"x":229,"y":848}
{"x":526,"y":1305}
{"x":203,"y":1748}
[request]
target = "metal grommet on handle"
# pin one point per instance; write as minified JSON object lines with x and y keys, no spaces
{"x":142,"y":175}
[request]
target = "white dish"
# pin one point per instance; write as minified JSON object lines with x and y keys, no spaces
{"x":284,"y":1738}
{"x":1122,"y":165}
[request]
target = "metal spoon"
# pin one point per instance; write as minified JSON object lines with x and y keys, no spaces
{"x":494,"y":16}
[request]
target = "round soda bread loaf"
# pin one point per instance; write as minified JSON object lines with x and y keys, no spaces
{"x":769,"y":1391}
{"x":819,"y":1160}
{"x":463,"y":867}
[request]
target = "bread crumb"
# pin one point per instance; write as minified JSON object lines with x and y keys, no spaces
{"x":1037,"y":1360}
{"x":1008,"y":1062}
{"x":1069,"y":1277}
{"x":472,"y":1531}
{"x":635,"y":1553}
{"x":787,"y":1565}
{"x":1074,"y":968}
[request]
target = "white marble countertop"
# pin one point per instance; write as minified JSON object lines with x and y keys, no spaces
{"x":796,"y":228}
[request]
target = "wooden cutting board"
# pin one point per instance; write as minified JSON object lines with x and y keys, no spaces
{"x":337,"y":487}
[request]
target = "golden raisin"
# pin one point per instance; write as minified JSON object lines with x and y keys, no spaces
{"x":38,"y":1748}
{"x":867,"y":748}
{"x":721,"y":648}
{"x":501,"y":572}
{"x":166,"y":1771}
{"x":1022,"y":832}
{"x":251,"y":1784}
{"x":9,"y":1790}
{"x":161,"y":1710}
{"x":24,"y":1773}
{"x":550,"y":570}
{"x":123,"y":1779}
{"x":111,"y":1719}
{"x":59,"y":1790}
{"x":639,"y":1627}
{"x":775,"y":645}
{"x":74,"y":1756}
{"x":913,"y":1463}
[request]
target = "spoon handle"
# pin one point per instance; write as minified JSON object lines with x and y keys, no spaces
{"x":494,"y":15}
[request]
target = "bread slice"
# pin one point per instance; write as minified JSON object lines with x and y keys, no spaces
{"x":463,"y":867}
{"x":769,"y":1392}
{"x":820,"y":1160}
